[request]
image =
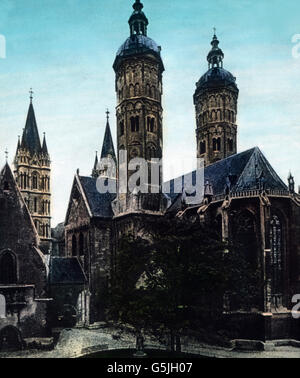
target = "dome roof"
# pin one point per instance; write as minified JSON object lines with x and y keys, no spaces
{"x":137,"y":44}
{"x":216,"y":77}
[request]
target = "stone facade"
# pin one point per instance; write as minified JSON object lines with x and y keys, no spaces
{"x":215,"y":102}
{"x":23,"y":269}
{"x":32,"y":172}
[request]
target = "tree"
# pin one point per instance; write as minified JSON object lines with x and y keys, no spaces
{"x":176,"y":279}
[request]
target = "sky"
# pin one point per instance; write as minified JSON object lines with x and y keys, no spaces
{"x":64,"y":50}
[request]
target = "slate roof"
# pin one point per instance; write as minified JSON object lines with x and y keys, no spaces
{"x":30,"y":137}
{"x":66,"y":270}
{"x":216,"y":77}
{"x":241,"y":171}
{"x":108,"y":145}
{"x":137,"y":44}
{"x":99,"y":203}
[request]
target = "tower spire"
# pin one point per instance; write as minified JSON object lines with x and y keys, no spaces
{"x":31,"y":95}
{"x":138,"y":22}
{"x":215,"y":56}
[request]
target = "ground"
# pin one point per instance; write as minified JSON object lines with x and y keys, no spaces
{"x":78,"y":342}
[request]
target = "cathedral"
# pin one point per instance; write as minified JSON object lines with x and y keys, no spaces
{"x":241,"y":192}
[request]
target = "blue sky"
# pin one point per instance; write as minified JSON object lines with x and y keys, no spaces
{"x":65,"y":49}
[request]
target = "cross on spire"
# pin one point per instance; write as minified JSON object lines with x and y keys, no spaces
{"x":107,"y":114}
{"x":31,"y":95}
{"x":6,"y":155}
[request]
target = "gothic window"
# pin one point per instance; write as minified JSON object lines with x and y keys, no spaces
{"x":137,"y":89}
{"x":202,"y":147}
{"x":34,"y":181}
{"x":121,"y":128}
{"x":245,"y":236}
{"x":276,"y":243}
{"x":74,"y":246}
{"x":2,"y":307}
{"x":8,"y":272}
{"x":230,"y":145}
{"x":81,"y":244}
{"x":35,"y":205}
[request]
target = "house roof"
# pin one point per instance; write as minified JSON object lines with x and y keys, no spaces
{"x":66,"y":270}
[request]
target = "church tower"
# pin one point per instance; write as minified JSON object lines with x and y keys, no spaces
{"x":139,"y":67}
{"x":215,"y":101}
{"x":32,"y":172}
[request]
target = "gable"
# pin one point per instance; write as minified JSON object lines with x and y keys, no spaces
{"x":16,"y":224}
{"x":77,"y":208}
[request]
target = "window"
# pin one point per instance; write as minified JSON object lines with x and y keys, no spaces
{"x":276,"y":244}
{"x":202,"y":147}
{"x":121,"y":128}
{"x":8,"y":274}
{"x":230,"y":145}
{"x":74,"y":246}
{"x":150,"y":124}
{"x":2,"y":307}
{"x":34,"y":181}
{"x":81,"y":244}
{"x":135,"y":123}
{"x":245,"y":236}
{"x":216,"y":144}
{"x":35,"y":205}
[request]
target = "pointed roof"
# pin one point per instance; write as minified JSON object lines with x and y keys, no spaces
{"x":95,"y":169}
{"x":8,"y":182}
{"x":247,"y":170}
{"x":30,"y":137}
{"x":108,"y":145}
{"x":44,"y":146}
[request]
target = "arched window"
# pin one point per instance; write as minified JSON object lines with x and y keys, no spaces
{"x":81,"y":244}
{"x":8,"y":273}
{"x":34,"y":181}
{"x":2,"y":307}
{"x":135,"y":123}
{"x":276,"y":244}
{"x":230,"y":144}
{"x":216,"y":144}
{"x":74,"y":246}
{"x":245,"y":236}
